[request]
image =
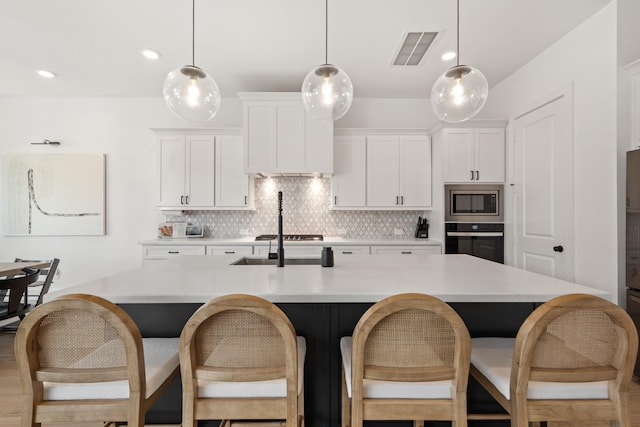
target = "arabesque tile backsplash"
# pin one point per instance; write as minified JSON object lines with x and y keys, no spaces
{"x":305,"y":207}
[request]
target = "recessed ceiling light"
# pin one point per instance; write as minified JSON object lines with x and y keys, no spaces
{"x":46,"y":73}
{"x":151,"y":54}
{"x":448,"y":56}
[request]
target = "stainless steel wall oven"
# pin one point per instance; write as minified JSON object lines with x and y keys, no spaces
{"x":484,"y":240}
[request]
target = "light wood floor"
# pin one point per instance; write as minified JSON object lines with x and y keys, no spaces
{"x":10,"y":393}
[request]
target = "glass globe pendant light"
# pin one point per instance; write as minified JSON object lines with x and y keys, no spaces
{"x":327,"y":91}
{"x":459,"y":93}
{"x":189,"y":91}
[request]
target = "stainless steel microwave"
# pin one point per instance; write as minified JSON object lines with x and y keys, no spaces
{"x":473,"y":202}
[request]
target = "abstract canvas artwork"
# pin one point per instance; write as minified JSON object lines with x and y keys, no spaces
{"x":53,"y":194}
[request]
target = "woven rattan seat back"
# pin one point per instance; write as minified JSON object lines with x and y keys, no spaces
{"x":559,"y":346}
{"x":239,"y":339}
{"x":408,"y":338}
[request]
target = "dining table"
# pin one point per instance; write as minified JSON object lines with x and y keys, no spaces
{"x":11,"y":268}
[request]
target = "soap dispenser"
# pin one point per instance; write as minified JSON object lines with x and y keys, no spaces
{"x":326,"y":258}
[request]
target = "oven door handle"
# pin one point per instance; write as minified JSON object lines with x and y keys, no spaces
{"x":473,"y":234}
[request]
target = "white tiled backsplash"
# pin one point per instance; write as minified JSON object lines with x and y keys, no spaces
{"x":305,"y":210}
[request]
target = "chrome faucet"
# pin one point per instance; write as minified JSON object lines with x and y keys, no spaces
{"x":280,"y":246}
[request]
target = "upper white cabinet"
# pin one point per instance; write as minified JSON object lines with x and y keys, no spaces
{"x":382,"y":170}
{"x":349,"y":179}
{"x":202,"y":171}
{"x":280,"y":137}
{"x":187,"y":171}
{"x":398,"y":171}
{"x":473,"y":154}
{"x":232,"y":185}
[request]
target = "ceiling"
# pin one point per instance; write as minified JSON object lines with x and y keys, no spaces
{"x":259,"y":45}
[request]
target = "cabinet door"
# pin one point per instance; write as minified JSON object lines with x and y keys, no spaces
{"x":200,"y":171}
{"x":458,"y":155}
{"x":259,"y":137}
{"x":229,"y":250}
{"x":172,"y":164}
{"x":318,"y":148}
{"x":405,"y":250}
{"x":348,"y":182}
{"x":289,"y":142}
{"x":383,"y":188}
{"x":231,"y":183}
{"x":489,"y":155}
{"x":166,"y":252}
{"x":415,"y":171}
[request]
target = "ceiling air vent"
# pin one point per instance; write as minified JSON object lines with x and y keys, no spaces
{"x":414,"y":46}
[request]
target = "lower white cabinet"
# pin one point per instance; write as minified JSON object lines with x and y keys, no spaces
{"x":405,"y":250}
{"x":166,"y":252}
{"x":290,"y":251}
{"x":229,"y":250}
{"x":351,"y":250}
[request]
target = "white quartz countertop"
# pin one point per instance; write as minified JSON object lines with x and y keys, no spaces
{"x":354,"y":278}
{"x":328,"y":241}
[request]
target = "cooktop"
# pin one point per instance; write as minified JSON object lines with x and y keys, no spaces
{"x":300,"y":237}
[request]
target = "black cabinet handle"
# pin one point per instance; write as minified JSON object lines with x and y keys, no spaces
{"x":477,"y":175}
{"x":335,"y":200}
{"x":397,"y":200}
{"x":245,"y":200}
{"x":347,"y":252}
{"x":174,"y":252}
{"x":402,"y":200}
{"x":182,"y":200}
{"x":229,"y":252}
{"x":471,"y":175}
{"x":558,"y":248}
{"x":186,"y":199}
{"x":406,"y":252}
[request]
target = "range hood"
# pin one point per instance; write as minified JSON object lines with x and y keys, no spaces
{"x":281,"y":139}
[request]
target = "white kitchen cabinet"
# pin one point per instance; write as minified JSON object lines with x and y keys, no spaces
{"x":203,"y":171}
{"x":473,"y":154}
{"x":187,"y":165}
{"x":233,"y":187}
{"x":161,"y":252}
{"x":280,"y":137}
{"x":398,"y":171}
{"x":351,"y":250}
{"x":405,"y":250}
{"x":290,"y":251}
{"x":229,"y":250}
{"x":349,"y":179}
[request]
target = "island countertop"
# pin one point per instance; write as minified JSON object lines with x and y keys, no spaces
{"x":353,"y":279}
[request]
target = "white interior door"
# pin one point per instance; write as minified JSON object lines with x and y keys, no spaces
{"x":543,"y":177}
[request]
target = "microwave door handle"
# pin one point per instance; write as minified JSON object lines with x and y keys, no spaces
{"x":473,"y":234}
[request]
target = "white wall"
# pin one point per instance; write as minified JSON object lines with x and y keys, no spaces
{"x":586,"y":59}
{"x":120,"y":128}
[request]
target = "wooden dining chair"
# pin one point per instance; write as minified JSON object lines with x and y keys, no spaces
{"x":82,"y":359}
{"x":408,"y":359}
{"x":240,"y":359}
{"x":14,"y":295}
{"x":572,"y":360}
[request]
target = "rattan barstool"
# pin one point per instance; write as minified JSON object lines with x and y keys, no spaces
{"x":241,"y":360}
{"x":82,"y":359}
{"x":572,"y":360}
{"x":408,"y":359}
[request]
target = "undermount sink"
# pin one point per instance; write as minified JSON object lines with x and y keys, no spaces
{"x":287,"y":261}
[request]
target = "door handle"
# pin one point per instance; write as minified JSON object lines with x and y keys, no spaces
{"x":558,"y":248}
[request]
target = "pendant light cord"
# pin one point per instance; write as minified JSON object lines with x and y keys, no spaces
{"x":326,"y":31}
{"x":458,"y":35}
{"x":193,"y":33}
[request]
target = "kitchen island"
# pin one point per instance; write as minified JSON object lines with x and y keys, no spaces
{"x":324,"y":304}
